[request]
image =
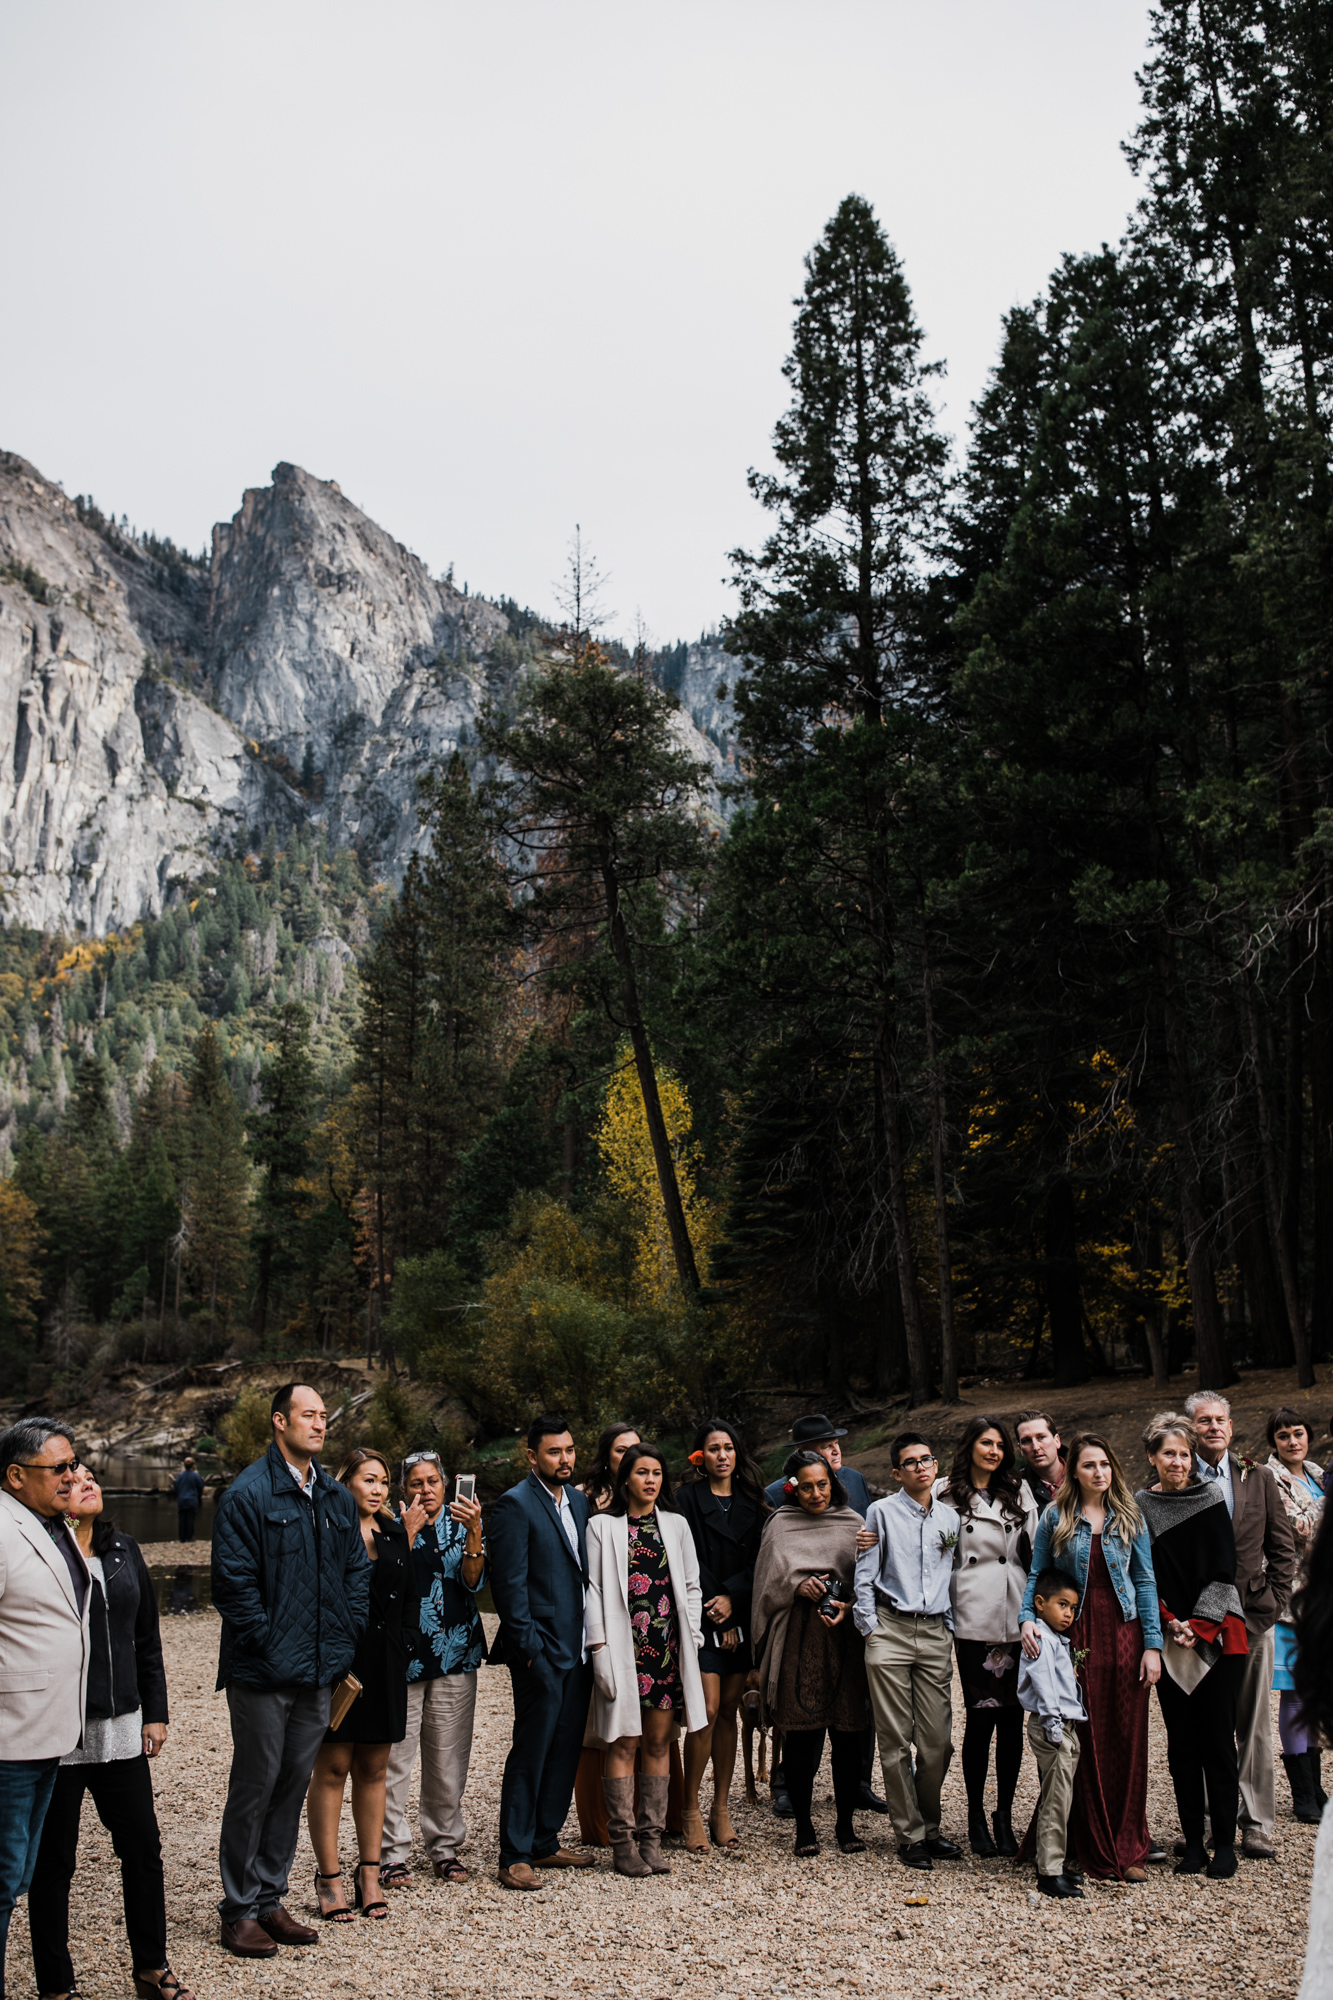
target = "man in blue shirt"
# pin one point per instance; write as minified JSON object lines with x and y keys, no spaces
{"x":903,"y":1613}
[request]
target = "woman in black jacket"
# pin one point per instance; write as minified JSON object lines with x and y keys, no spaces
{"x":726,"y":1511}
{"x":125,"y":1730}
{"x":377,"y":1718}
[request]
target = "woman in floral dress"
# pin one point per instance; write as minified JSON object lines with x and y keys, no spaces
{"x":643,"y":1628}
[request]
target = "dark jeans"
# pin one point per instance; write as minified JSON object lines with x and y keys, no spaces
{"x":123,"y":1794}
{"x":185,"y":1520}
{"x":1006,"y":1726}
{"x":25,"y":1793}
{"x":550,"y":1715}
{"x":801,"y":1752}
{"x":1201,"y":1748}
{"x":275,"y":1735}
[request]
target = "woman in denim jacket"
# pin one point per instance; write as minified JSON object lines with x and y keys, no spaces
{"x":1096,"y":1534}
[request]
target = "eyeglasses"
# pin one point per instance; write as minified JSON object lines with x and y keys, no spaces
{"x":914,"y":1464}
{"x":423,"y":1458}
{"x":66,"y":1465}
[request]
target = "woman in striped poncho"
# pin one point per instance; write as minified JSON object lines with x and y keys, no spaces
{"x":1203,"y":1625}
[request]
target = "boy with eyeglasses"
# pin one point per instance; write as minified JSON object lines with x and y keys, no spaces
{"x":904,"y":1615}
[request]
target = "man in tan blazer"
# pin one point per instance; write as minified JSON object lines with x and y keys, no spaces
{"x":44,"y":1593}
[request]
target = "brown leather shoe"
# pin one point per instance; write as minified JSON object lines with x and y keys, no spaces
{"x":563,"y":1858}
{"x":282,"y":1925}
{"x":520,"y":1876}
{"x":247,"y":1940}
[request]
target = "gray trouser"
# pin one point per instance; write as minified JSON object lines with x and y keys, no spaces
{"x":909,"y":1665}
{"x":1254,"y":1739}
{"x":1057,"y":1763}
{"x":439,"y":1717}
{"x":275,"y":1735}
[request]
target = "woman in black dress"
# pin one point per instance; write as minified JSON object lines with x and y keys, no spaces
{"x":725,"y":1507}
{"x":378,"y":1717}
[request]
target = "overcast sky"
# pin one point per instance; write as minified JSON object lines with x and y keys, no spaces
{"x":503,"y":266}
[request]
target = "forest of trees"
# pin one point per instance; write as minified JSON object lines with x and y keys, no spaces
{"x":995,"y":1031}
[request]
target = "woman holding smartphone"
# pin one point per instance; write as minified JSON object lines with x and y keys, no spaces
{"x":448,"y":1646}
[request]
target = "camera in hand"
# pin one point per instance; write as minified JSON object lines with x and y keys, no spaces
{"x":831,"y":1601}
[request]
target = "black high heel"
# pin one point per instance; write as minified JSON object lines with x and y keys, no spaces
{"x":342,"y":1915}
{"x":378,"y":1910}
{"x":1004,"y":1834}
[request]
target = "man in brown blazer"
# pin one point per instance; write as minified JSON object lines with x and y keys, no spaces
{"x":1265,"y":1567}
{"x":44,"y":1593}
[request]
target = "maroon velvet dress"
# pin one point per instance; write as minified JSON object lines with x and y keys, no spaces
{"x":1108,"y":1823}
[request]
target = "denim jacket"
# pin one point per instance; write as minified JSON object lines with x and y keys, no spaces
{"x":1130,"y":1570}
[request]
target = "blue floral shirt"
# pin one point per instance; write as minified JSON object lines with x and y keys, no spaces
{"x":449,"y":1638}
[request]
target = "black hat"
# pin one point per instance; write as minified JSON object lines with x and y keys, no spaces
{"x":813,"y":1430}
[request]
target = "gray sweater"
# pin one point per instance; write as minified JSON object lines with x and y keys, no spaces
{"x":1047,"y":1685}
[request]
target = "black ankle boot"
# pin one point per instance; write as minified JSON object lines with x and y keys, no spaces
{"x":1303,"y":1799}
{"x":978,"y":1833}
{"x":1320,"y":1795}
{"x":1004,"y":1834}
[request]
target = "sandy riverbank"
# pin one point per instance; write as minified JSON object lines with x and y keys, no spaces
{"x":758,"y":1925}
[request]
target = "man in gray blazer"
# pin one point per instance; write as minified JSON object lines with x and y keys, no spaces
{"x":44,"y":1591}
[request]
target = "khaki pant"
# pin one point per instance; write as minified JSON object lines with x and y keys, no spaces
{"x":1057,"y":1763}
{"x":909,"y":1665}
{"x":1254,"y":1739}
{"x":439,"y":1719}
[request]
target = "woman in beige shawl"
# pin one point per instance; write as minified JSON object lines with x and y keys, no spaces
{"x":811,"y":1657}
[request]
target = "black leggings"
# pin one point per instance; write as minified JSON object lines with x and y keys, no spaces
{"x":123,"y":1795}
{"x":1201,"y":1748}
{"x":801,"y":1752}
{"x":1006,"y":1725}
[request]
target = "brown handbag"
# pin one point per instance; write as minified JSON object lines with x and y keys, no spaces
{"x":343,"y":1695}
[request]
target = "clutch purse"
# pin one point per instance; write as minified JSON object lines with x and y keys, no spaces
{"x":344,"y":1694}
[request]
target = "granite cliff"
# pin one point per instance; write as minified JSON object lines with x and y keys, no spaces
{"x":156,"y":710}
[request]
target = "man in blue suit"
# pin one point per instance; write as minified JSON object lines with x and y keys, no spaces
{"x":539,"y":1579}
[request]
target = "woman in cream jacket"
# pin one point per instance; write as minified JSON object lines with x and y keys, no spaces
{"x":643,"y":1627}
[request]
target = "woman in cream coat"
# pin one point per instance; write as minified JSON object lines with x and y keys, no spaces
{"x":998,"y":1518}
{"x":644,"y":1627}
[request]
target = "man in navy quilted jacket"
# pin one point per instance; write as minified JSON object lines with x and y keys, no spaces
{"x":291,"y":1582}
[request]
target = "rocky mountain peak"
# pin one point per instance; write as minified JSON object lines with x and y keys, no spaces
{"x":160,"y":710}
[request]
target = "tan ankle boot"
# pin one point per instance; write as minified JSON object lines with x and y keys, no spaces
{"x":652,"y":1822}
{"x":620,"y":1823}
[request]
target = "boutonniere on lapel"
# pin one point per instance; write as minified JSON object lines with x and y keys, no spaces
{"x":1247,"y":1465}
{"x":948,"y":1541}
{"x":1079,"y":1656}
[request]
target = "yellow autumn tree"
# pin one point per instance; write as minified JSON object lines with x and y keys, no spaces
{"x":631,"y":1173}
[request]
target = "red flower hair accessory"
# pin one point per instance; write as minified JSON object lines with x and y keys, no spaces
{"x":789,"y":1485}
{"x":696,"y":1458}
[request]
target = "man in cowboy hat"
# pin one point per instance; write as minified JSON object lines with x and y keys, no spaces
{"x":818,"y":1432}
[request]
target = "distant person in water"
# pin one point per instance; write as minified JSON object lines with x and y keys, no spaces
{"x":188,"y":1491}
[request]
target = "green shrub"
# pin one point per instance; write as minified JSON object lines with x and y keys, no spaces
{"x":247,"y":1429}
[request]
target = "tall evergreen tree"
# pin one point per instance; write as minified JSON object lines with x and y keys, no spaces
{"x":601,"y":807}
{"x":834,"y":695}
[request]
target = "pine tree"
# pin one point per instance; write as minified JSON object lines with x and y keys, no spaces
{"x":279,"y":1131}
{"x":833,"y":698}
{"x":216,"y":1193}
{"x":600,"y":806}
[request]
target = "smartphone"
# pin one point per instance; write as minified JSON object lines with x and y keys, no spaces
{"x":465,"y":1486}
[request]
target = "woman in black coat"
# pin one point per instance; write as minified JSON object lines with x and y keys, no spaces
{"x":377,"y":1718}
{"x":726,"y":1510}
{"x":125,"y":1730}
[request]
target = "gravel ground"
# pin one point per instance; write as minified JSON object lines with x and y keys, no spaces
{"x":759,"y":1924}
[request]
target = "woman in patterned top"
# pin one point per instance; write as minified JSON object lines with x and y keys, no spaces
{"x":448,"y":1646}
{"x":643,"y":1632}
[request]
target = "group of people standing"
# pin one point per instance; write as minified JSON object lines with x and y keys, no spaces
{"x":632,"y":1617}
